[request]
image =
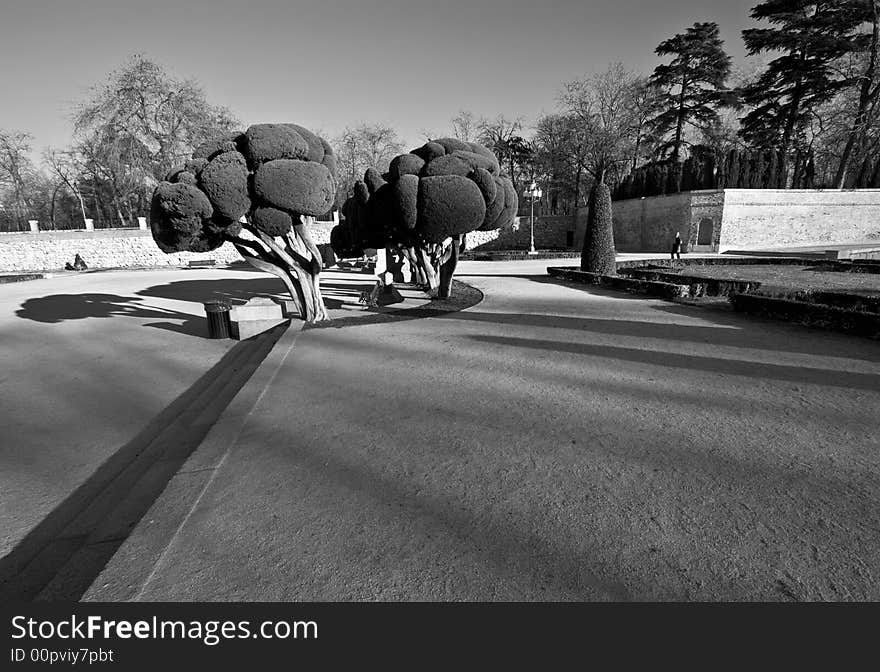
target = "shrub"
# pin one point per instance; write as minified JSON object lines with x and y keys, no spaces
{"x":405,"y":164}
{"x":303,"y":187}
{"x":268,"y":142}
{"x":225,"y":181}
{"x":449,"y":205}
{"x":598,"y":254}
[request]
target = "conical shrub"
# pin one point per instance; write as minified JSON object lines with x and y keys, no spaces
{"x":598,"y":255}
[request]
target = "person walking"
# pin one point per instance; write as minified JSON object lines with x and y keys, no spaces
{"x":676,"y":247}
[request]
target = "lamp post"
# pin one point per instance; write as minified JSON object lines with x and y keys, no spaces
{"x":533,"y":193}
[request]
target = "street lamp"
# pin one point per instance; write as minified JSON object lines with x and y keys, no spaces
{"x":533,"y":192}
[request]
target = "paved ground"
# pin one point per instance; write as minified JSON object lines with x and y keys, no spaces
{"x":554,"y":442}
{"x":90,"y":365}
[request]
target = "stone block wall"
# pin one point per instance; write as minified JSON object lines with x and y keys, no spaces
{"x":650,"y":224}
{"x":108,"y":248}
{"x":550,"y":233}
{"x":774,"y":218}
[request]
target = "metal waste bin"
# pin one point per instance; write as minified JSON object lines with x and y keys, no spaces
{"x":219,"y":324}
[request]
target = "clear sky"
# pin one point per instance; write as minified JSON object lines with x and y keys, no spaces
{"x":325,"y":64}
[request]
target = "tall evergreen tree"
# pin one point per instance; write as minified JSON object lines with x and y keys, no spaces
{"x":868,"y":81}
{"x":692,"y":83}
{"x":811,"y":35}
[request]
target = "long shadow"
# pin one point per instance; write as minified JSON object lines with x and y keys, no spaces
{"x":70,"y":543}
{"x":235,"y":290}
{"x":734,"y":367}
{"x":716,"y":335}
{"x":463,"y":296}
{"x":501,"y":545}
{"x":58,"y":308}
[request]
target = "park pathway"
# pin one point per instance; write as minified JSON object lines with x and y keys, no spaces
{"x":553,"y":442}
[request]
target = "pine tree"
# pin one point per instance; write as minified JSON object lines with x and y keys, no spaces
{"x":745,"y":174}
{"x":868,"y":81}
{"x":691,"y":85}
{"x":812,"y":36}
{"x":734,"y":169}
{"x":758,"y":170}
{"x":773,"y":170}
{"x":674,"y":179}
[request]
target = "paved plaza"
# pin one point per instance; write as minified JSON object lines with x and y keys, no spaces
{"x":551,"y":442}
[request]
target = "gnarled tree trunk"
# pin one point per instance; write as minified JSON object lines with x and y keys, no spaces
{"x":448,"y":263}
{"x":296,"y":261}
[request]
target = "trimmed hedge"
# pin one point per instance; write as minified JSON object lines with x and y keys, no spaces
{"x":663,"y":290}
{"x":268,"y":142}
{"x":811,"y":314}
{"x":271,"y":221}
{"x":225,"y":181}
{"x":405,"y":164}
{"x":299,"y":186}
{"x":598,"y":254}
{"x":448,"y":205}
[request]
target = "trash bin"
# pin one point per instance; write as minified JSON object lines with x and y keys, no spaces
{"x":219,"y":324}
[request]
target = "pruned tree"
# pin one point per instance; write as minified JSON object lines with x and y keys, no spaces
{"x":433,"y":196}
{"x":692,"y":83}
{"x":266,"y":182}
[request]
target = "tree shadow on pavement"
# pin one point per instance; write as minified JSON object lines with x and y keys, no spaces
{"x":728,"y":333}
{"x":716,"y":365}
{"x":58,"y":308}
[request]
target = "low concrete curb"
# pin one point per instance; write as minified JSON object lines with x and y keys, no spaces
{"x":20,"y":277}
{"x":697,"y":285}
{"x":810,"y":314}
{"x":130,"y":569}
{"x":663,"y":290}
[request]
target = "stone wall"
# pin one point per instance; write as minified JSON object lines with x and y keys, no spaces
{"x":550,"y":233}
{"x":650,"y":224}
{"x":744,"y":219}
{"x":771,"y":218}
{"x":108,"y":248}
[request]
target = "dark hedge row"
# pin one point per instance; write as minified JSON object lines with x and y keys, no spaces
{"x":440,"y":190}
{"x":271,"y":173}
{"x":739,"y":169}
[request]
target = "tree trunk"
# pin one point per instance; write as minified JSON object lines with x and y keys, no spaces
{"x":82,"y":205}
{"x":865,"y":95}
{"x":679,"y":123}
{"x":427,"y":268}
{"x":577,"y":188}
{"x":787,"y":176}
{"x":447,"y":269}
{"x":297,"y":262}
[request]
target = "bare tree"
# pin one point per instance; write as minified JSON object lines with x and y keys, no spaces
{"x":504,"y":137}
{"x":464,"y":126}
{"x":601,"y":105}
{"x":167,"y":116}
{"x":69,"y":170}
{"x":16,"y":169}
{"x":362,"y":147}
